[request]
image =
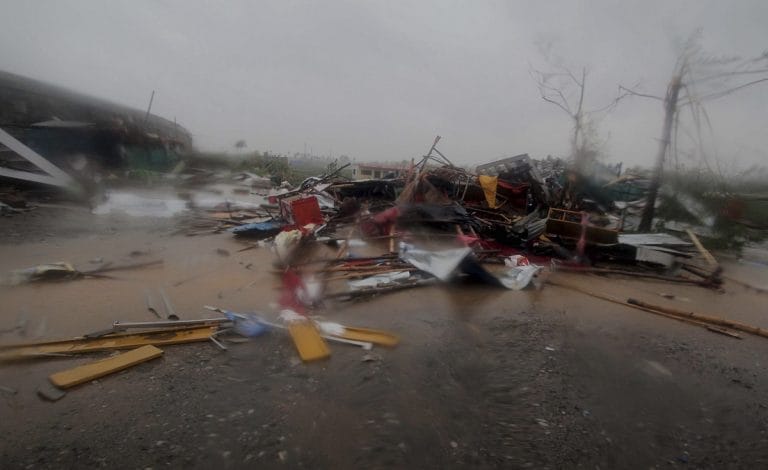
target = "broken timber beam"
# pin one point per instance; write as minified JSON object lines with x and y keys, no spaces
{"x":704,"y":252}
{"x":695,"y":320}
{"x":702,"y":318}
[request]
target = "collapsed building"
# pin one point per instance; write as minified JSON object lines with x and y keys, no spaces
{"x":52,"y":135}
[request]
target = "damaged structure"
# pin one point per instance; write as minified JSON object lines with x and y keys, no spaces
{"x":54,"y":136}
{"x":511,"y":207}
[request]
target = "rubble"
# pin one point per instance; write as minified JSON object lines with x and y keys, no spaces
{"x":511,"y":206}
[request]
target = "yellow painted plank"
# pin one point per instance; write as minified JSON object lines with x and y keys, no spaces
{"x":118,"y":341}
{"x":310,"y":345}
{"x":379,"y":337}
{"x":85,"y":373}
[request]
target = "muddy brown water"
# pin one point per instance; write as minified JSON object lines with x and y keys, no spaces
{"x":483,"y":378}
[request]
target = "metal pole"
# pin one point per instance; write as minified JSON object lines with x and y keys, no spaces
{"x":149,"y":108}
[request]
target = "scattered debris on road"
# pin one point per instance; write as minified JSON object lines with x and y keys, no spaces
{"x":509,"y":224}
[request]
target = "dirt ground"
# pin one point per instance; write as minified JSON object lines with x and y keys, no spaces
{"x":483,"y":378}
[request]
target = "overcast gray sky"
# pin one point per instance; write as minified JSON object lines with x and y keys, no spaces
{"x":378,"y":80}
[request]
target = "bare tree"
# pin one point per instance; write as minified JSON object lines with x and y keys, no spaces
{"x":696,"y":78}
{"x":566,"y":90}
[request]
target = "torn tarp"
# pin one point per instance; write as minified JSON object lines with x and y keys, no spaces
{"x":258,"y":230}
{"x":519,"y":277}
{"x":489,"y":183}
{"x":42,"y":272}
{"x":441,"y":264}
{"x":446,"y":264}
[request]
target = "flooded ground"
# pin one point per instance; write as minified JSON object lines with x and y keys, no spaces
{"x":158,"y":203}
{"x":483,"y":378}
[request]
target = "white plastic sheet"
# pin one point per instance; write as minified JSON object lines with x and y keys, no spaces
{"x":519,"y":277}
{"x":441,"y":264}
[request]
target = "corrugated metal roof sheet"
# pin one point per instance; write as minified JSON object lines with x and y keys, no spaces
{"x":639,"y":239}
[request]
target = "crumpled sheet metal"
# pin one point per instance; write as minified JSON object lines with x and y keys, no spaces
{"x":379,"y":280}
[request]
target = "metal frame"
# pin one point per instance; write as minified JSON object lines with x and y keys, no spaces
{"x":55,"y":176}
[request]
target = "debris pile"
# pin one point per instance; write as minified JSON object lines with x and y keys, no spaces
{"x":514,"y":206}
{"x":508,"y":224}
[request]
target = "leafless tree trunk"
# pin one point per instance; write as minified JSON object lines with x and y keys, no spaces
{"x":567,"y":91}
{"x":693,"y":69}
{"x":670,"y":110}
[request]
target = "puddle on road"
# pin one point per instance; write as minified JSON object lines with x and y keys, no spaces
{"x":143,"y":203}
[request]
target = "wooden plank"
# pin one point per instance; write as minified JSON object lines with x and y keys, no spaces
{"x":718,"y":321}
{"x":86,"y":373}
{"x":309,"y":344}
{"x":680,"y":315}
{"x":615,"y":300}
{"x":724,"y":331}
{"x":704,"y":252}
{"x":382,"y":338}
{"x":105,"y":343}
{"x":580,"y":269}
